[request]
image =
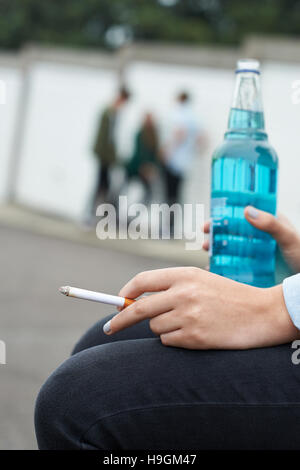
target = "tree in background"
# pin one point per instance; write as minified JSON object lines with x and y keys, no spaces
{"x":112,"y":23}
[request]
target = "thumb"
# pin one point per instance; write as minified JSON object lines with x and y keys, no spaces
{"x":267,"y":222}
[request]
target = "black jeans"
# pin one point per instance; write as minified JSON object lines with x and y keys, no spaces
{"x":173,"y":185}
{"x":128,"y":391}
{"x":103,"y":180}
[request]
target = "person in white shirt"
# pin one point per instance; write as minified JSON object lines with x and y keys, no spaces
{"x":180,"y":147}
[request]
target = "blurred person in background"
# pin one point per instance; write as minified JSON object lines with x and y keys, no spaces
{"x":180,"y":147}
{"x":144,"y":163}
{"x":105,"y":145}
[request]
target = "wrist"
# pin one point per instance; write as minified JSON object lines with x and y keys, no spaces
{"x":280,"y":328}
{"x":290,"y":252}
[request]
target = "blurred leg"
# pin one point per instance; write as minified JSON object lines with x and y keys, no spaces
{"x":102,"y":187}
{"x":139,"y":394}
{"x":173,"y":183}
{"x":103,"y":182}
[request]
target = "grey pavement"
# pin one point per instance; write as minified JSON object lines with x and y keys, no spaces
{"x":39,"y":325}
{"x":46,"y":224}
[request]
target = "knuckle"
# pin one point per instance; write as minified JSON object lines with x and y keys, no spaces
{"x":138,"y":279}
{"x":191,"y":316}
{"x":195,"y":337}
{"x":181,"y":292}
{"x":192,"y":271}
{"x":193,"y":292}
{"x":190,"y":292}
{"x":164,"y":340}
{"x":138,"y":308}
{"x":153,"y":326}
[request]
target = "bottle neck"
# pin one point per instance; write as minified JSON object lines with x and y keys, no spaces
{"x":246,"y":114}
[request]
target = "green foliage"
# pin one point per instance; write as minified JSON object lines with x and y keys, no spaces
{"x":86,"y":22}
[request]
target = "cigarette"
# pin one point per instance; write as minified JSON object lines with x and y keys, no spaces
{"x":96,"y":296}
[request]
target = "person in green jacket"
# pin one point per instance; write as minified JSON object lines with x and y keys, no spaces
{"x":144,"y":163}
{"x":105,"y":145}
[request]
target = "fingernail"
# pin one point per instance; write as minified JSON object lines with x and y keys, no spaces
{"x":253,"y":213}
{"x":106,"y":327}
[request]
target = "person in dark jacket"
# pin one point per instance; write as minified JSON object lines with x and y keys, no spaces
{"x":105,"y":145}
{"x":144,"y":162}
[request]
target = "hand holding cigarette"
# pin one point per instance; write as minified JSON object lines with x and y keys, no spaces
{"x":195,"y":309}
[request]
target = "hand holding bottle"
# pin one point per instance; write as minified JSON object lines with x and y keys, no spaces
{"x":281,"y":230}
{"x":244,"y":172}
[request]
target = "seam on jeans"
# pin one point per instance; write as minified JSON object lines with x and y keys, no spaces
{"x":211,"y":405}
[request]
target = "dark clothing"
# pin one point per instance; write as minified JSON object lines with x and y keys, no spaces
{"x":102,"y":187}
{"x":105,"y":152}
{"x":104,"y":147}
{"x":102,"y":182}
{"x":145,"y":153}
{"x":173,"y":186}
{"x":128,"y":391}
{"x":145,"y":156}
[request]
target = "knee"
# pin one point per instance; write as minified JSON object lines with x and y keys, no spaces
{"x":93,"y":337}
{"x":53,"y":409}
{"x":45,"y":416}
{"x":65,"y":406}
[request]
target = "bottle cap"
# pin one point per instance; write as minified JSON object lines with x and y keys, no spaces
{"x":248,"y":65}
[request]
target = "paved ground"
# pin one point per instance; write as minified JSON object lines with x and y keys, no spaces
{"x":39,"y":325}
{"x":46,"y":224}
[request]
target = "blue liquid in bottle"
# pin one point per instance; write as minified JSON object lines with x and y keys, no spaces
{"x":244,"y":172}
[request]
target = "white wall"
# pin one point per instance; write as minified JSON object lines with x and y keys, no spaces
{"x":58,"y":170}
{"x":155,"y":87}
{"x":283,"y":127}
{"x":8,"y":113}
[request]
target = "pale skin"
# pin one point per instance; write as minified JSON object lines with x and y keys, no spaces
{"x":194,"y":309}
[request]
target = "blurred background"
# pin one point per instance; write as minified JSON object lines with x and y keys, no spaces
{"x":62,"y":64}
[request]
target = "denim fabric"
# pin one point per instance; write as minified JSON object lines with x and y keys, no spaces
{"x":128,"y":391}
